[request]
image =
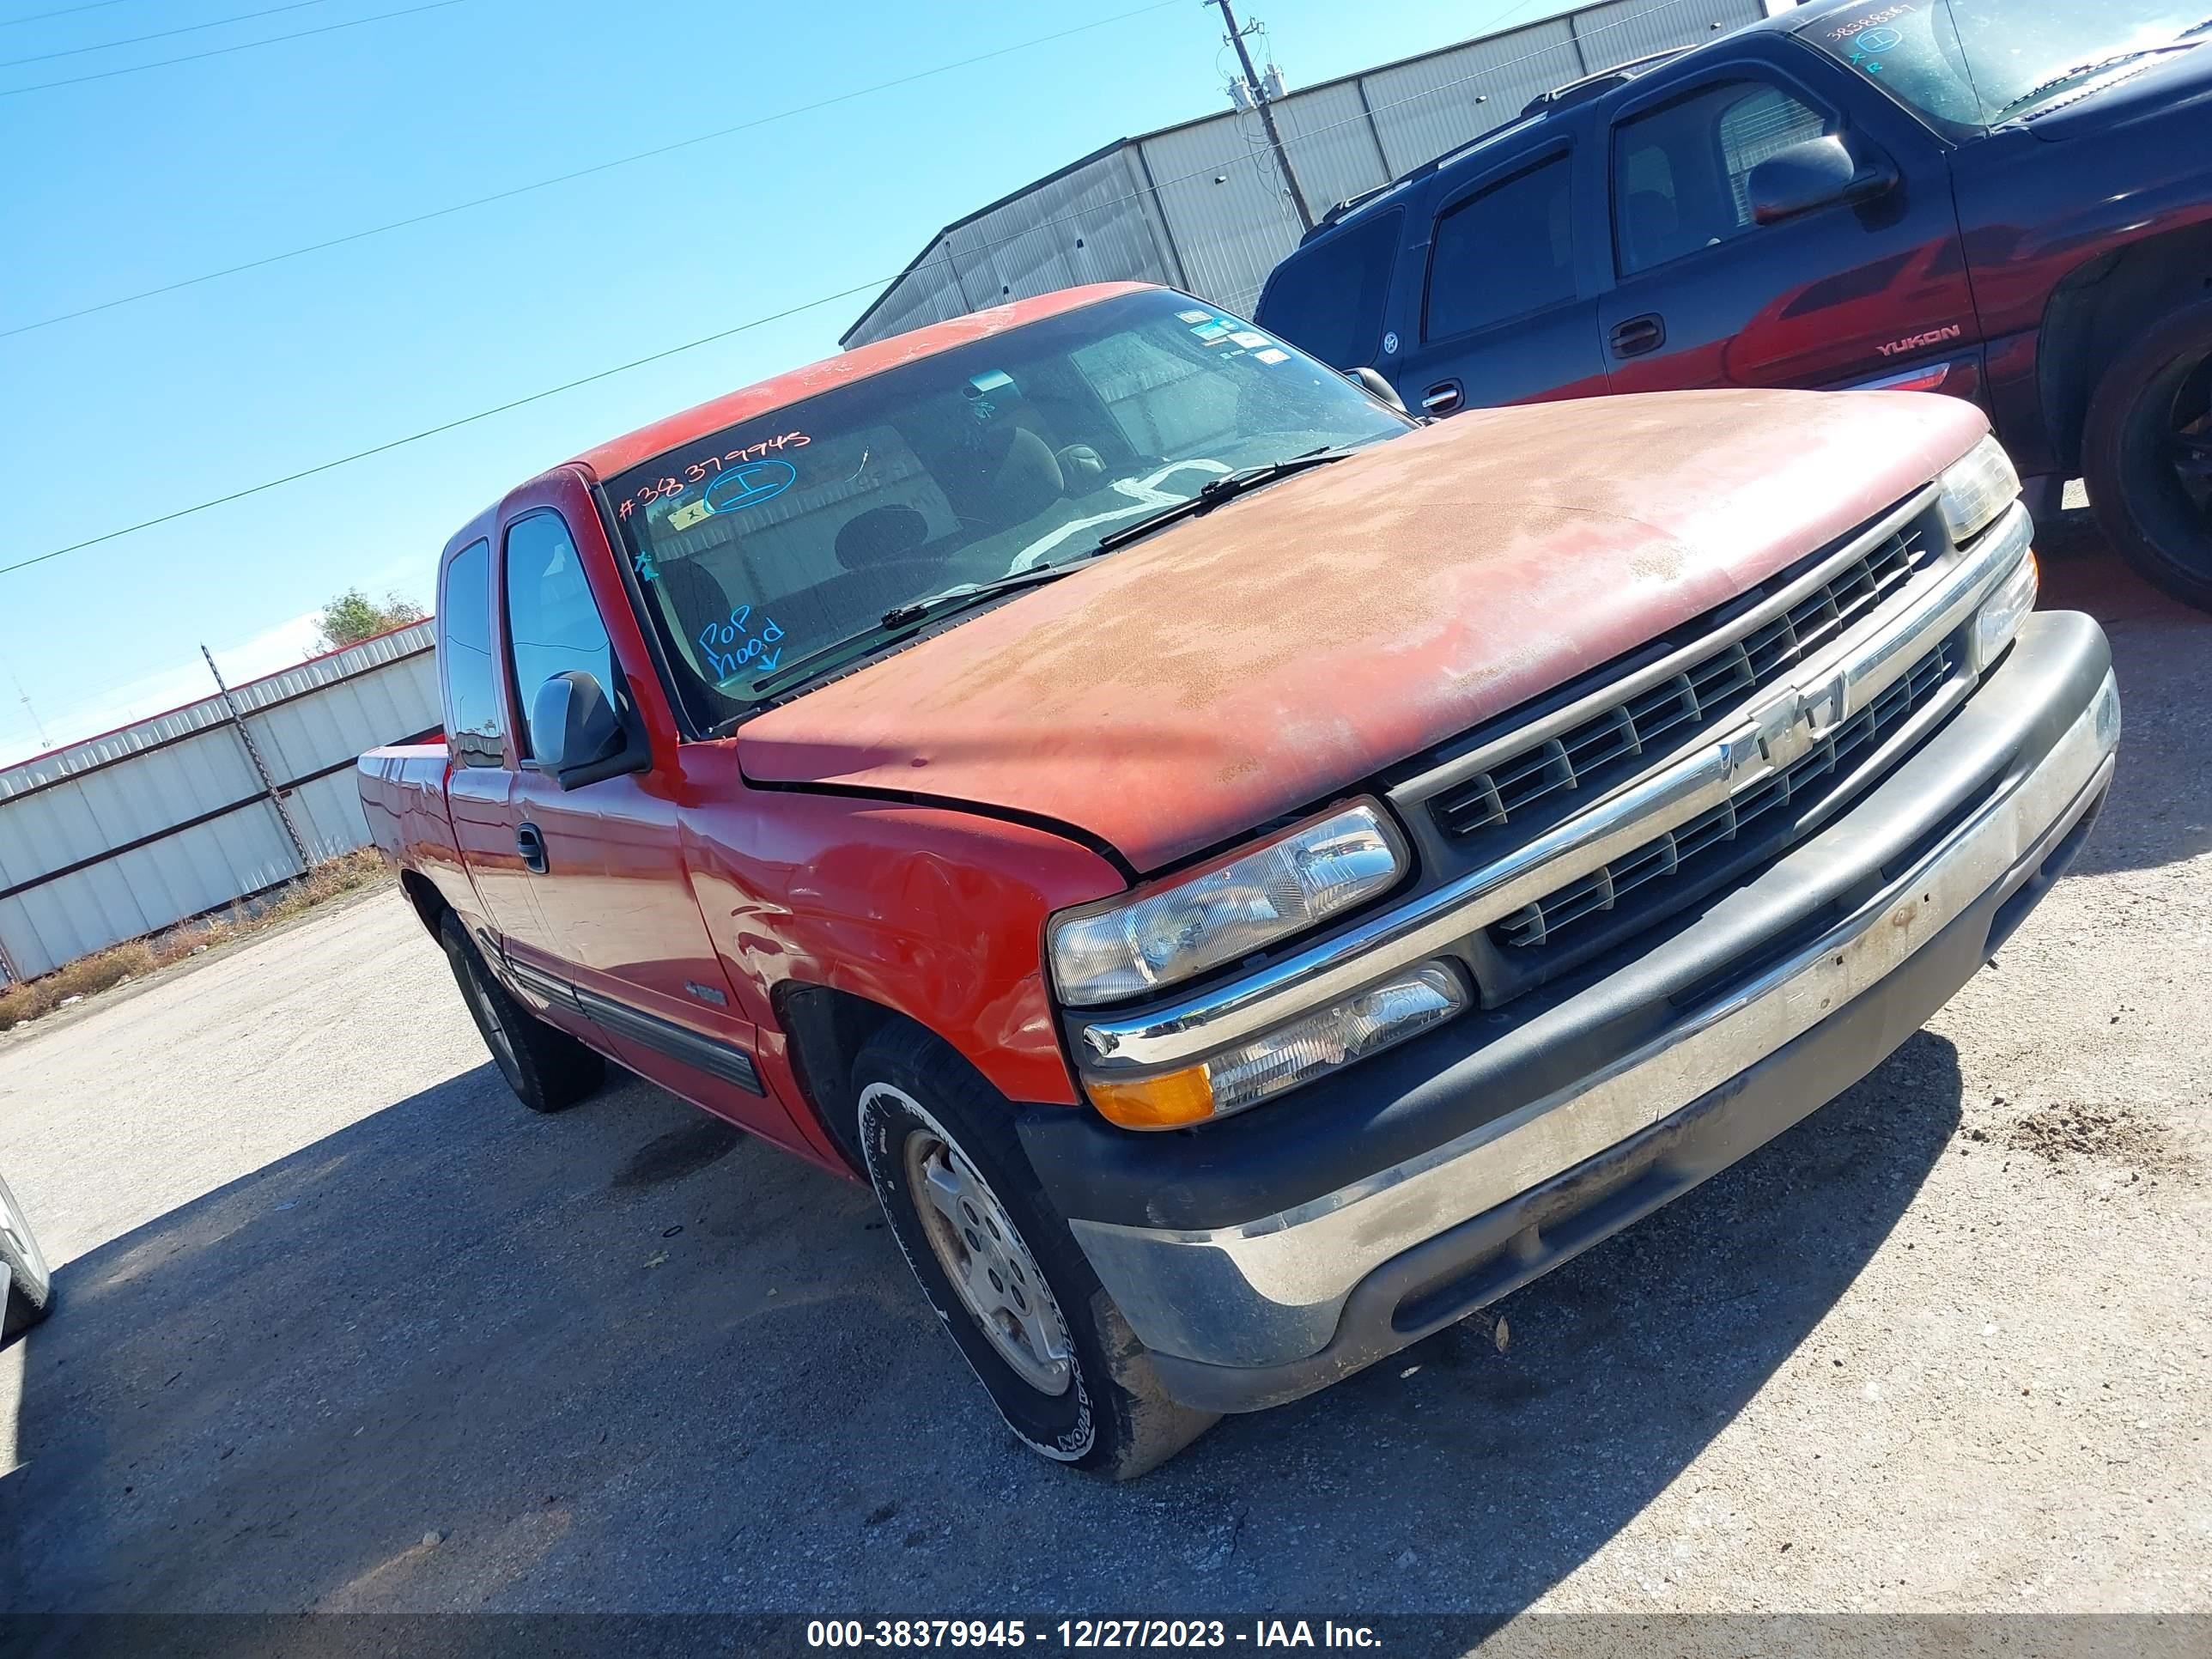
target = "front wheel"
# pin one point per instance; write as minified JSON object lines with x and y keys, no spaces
{"x":1001,"y":1269}
{"x":2147,"y":454}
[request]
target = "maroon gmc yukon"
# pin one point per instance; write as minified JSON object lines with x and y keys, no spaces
{"x":1249,"y":878}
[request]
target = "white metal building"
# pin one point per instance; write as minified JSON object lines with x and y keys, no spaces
{"x":123,"y":835}
{"x":1202,"y":206}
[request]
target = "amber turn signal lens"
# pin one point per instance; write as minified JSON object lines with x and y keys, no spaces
{"x":1166,"y":1101}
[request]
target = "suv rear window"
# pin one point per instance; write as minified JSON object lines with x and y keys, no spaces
{"x":1329,"y":297}
{"x":1503,"y":254}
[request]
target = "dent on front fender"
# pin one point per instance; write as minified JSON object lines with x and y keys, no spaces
{"x":929,"y":912}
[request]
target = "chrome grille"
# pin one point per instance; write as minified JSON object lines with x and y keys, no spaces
{"x":1601,"y":751}
{"x":1824,"y":767}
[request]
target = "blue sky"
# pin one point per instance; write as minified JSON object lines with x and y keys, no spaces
{"x":127,"y":182}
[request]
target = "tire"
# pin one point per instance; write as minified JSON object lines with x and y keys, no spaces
{"x":30,"y":1292}
{"x":2147,"y":454}
{"x":549,"y":1070}
{"x":1065,"y":1371}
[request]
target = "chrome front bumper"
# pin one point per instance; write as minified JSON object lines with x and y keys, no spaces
{"x":1271,"y":1292}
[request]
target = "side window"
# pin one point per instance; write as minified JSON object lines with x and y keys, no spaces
{"x":552,"y":622}
{"x":1506,"y":252}
{"x":1680,"y":174}
{"x":472,"y":720}
{"x":1330,"y":299}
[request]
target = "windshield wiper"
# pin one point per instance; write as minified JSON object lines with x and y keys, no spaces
{"x":899,"y":622}
{"x":2082,"y":71}
{"x":1217,"y":490}
{"x":959,"y":599}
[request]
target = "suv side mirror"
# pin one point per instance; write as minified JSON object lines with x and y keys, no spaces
{"x":1372,"y":383}
{"x":579,"y":737}
{"x":1813,"y":175}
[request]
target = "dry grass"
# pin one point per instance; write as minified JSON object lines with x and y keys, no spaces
{"x":135,"y":958}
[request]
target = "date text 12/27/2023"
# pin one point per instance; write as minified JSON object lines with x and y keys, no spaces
{"x":1085,"y":1634}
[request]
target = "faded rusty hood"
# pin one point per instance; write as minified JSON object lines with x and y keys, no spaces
{"x":1280,"y":649}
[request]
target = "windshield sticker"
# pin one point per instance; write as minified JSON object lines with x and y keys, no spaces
{"x":1212,"y":330}
{"x":668,"y":488}
{"x":1865,"y":36}
{"x":1194,"y":316}
{"x":690,"y":513}
{"x":750,"y":485}
{"x":1250,"y":341}
{"x":1852,"y":26}
{"x":1271,"y":356}
{"x":1864,"y":39}
{"x":740,"y":643}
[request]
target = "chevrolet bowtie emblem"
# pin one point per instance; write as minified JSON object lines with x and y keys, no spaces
{"x":1787,"y":725}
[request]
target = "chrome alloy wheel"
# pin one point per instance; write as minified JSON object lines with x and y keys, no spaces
{"x":990,"y":1267}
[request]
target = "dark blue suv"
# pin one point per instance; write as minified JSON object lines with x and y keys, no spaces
{"x":2006,"y":200}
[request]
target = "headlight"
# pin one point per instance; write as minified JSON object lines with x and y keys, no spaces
{"x":1978,"y":488}
{"x":1352,"y":1029}
{"x":1158,"y":936}
{"x":2003,"y":611}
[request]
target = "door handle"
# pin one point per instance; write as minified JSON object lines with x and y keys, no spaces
{"x":529,"y":841}
{"x":1639,"y":335}
{"x":1443,"y":398}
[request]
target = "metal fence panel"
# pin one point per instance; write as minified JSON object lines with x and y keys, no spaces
{"x":1440,"y":102}
{"x":138,"y":829}
{"x":1332,"y":142}
{"x":329,"y":816}
{"x":1226,"y":206}
{"x":148,"y":888}
{"x":1622,"y":31}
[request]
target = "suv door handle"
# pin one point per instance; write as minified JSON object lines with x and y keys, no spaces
{"x":1639,"y":335}
{"x":1443,"y":398}
{"x":529,"y":841}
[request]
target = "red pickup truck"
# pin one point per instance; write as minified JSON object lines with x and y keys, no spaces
{"x":1250,"y":879}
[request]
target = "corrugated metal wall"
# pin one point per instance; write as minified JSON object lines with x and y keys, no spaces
{"x":1202,"y":206}
{"x":126,"y":834}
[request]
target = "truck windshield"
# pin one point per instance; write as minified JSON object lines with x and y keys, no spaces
{"x":1966,"y":65}
{"x":783,"y":549}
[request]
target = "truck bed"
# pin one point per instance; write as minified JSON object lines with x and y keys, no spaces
{"x":403,"y":793}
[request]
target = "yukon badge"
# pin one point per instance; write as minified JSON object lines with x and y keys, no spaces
{"x":1915,"y":342}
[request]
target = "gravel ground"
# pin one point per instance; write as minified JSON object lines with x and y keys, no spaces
{"x":342,"y":1327}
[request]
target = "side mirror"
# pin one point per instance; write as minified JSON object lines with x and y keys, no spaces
{"x":1813,"y":174}
{"x":1376,"y":387}
{"x":578,"y":736}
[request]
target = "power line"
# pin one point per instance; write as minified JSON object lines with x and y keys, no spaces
{"x":219,"y":52}
{"x":740,"y":328}
{"x":39,"y":17}
{"x":581,"y":173}
{"x":160,"y":35}
{"x":446,"y":426}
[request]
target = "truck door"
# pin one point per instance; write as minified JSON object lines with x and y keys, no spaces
{"x":479,"y":783}
{"x":1703,"y":297}
{"x":1501,"y":315}
{"x":621,"y":924}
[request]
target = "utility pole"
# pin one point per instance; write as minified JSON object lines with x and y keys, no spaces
{"x":24,"y":697}
{"x":261,"y":767}
{"x":1263,"y":103}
